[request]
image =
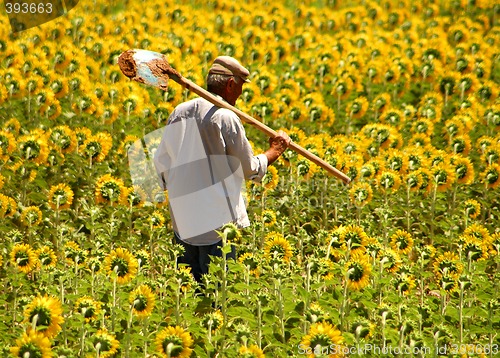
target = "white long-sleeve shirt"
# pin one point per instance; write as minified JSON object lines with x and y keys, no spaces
{"x":202,"y":160}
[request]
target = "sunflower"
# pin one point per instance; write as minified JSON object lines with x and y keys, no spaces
{"x":44,"y":313}
{"x":464,"y":169}
{"x":110,"y":190}
{"x":142,"y":300}
{"x":355,"y":237}
{"x":271,"y":179}
{"x":474,"y":249}
{"x":122,"y":263}
{"x":389,"y":259}
{"x":472,"y":208}
{"x":361,"y":328}
{"x":136,"y":196}
{"x":32,"y":344}
{"x":12,"y":126}
{"x":82,"y":134}
{"x":448,"y":264}
{"x":46,"y":257}
{"x":358,"y":270}
{"x":404,"y":283}
{"x":276,"y":247}
{"x":401,"y":242}
{"x":60,"y":197}
{"x":361,"y":194}
{"x":268,"y":217}
{"x":323,"y":337}
{"x":358,"y":107}
{"x":479,"y":232}
{"x":185,"y":278}
{"x":491,"y":176}
{"x":252,"y":351}
{"x":97,"y":146}
{"x":443,"y":176}
{"x":23,"y":257}
{"x":251,"y":262}
{"x":63,"y":138}
{"x":316,"y":313}
{"x":388,"y":181}
{"x":157,"y":220}
{"x":174,"y":342}
{"x":74,"y":254}
{"x":88,"y":308}
{"x":105,"y":343}
{"x":448,"y":282}
{"x":8,"y":143}
{"x":143,"y":258}
{"x":34,"y":148}
{"x":213,"y":321}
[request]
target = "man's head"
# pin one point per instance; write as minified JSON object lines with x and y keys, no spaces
{"x":226,"y":78}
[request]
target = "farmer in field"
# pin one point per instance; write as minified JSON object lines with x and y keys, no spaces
{"x":203,"y":159}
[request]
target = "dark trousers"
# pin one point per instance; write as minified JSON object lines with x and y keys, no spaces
{"x":198,"y":257}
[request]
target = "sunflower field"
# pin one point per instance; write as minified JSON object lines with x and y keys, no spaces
{"x":401,"y":95}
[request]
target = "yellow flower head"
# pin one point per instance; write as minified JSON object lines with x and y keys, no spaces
{"x":354,"y":237}
{"x":448,"y":264}
{"x":142,"y":300}
{"x":276,"y":247}
{"x":271,"y":179}
{"x":402,"y":242}
{"x":44,"y":314}
{"x":157,"y":220}
{"x":88,"y":308}
{"x":60,"y":197}
{"x":358,"y":270}
{"x":110,"y":190}
{"x":122,"y":263}
{"x":23,"y":257}
{"x":252,"y":351}
{"x":105,"y":343}
{"x":174,"y":342}
{"x":361,"y":194}
{"x":46,"y":257}
{"x":472,"y":208}
{"x":34,"y":148}
{"x":213,"y":321}
{"x":250,"y":261}
{"x":63,"y":138}
{"x":323,"y":339}
{"x":32,"y":344}
{"x":96,"y":147}
{"x":185,"y":278}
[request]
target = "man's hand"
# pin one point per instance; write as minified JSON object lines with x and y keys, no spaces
{"x":277,"y":146}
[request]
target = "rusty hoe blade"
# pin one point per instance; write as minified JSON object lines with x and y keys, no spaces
{"x":148,"y":67}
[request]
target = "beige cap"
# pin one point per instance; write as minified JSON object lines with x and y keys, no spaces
{"x":226,"y":65}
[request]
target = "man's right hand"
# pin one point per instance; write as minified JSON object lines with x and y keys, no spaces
{"x":277,"y":146}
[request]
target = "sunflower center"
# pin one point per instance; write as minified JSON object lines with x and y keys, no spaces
{"x":176,"y":347}
{"x":140,"y":302}
{"x":30,"y":350}
{"x":22,"y":258}
{"x":355,"y":271}
{"x":43,"y":320}
{"x":110,"y":191}
{"x":120,"y":266}
{"x":60,"y":196}
{"x":31,"y":149}
{"x":93,"y":149}
{"x":319,"y":341}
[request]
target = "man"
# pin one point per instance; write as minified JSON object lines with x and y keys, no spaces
{"x":203,"y":159}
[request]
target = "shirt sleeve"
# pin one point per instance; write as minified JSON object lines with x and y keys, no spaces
{"x":237,"y":145}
